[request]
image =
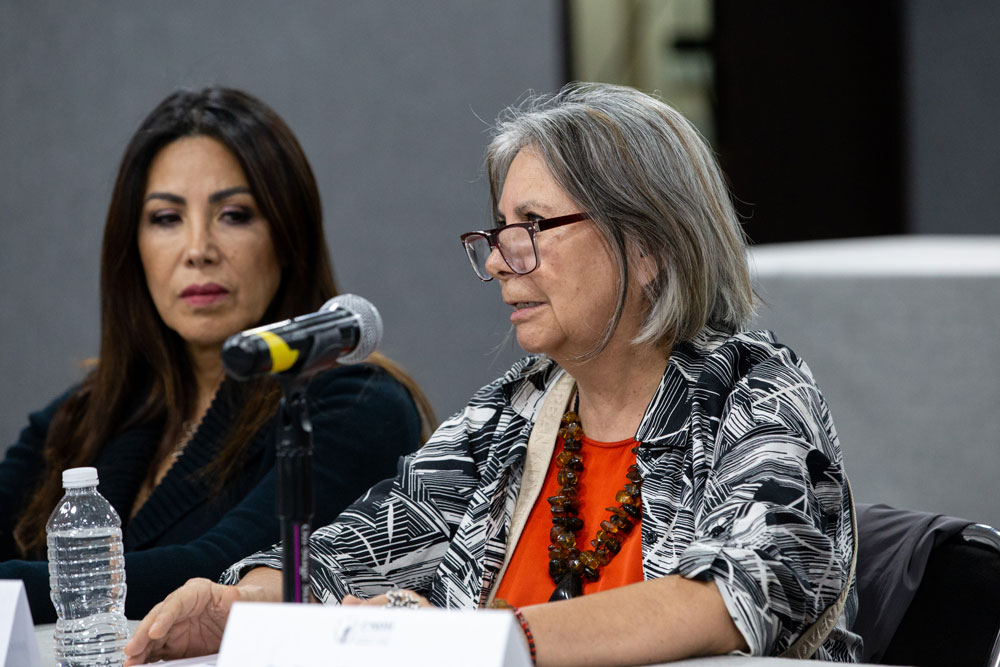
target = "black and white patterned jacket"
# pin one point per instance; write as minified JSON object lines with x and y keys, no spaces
{"x":743,"y":484}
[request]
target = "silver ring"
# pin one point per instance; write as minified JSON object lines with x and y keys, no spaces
{"x":400,"y":598}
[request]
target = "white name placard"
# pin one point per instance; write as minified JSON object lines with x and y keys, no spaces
{"x":312,"y":635}
{"x":17,"y":631}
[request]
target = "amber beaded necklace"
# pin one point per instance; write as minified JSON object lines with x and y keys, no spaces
{"x":568,"y":564}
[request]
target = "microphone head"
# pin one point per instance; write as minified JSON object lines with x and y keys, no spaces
{"x":369,"y":324}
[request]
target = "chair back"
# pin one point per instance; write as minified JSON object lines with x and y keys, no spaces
{"x":928,"y":589}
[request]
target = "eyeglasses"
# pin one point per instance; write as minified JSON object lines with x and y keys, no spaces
{"x":516,"y":243}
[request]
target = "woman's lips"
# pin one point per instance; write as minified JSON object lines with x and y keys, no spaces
{"x":523,"y":310}
{"x":204,"y":295}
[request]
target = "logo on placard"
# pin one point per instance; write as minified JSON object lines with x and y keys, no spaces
{"x":363,"y":633}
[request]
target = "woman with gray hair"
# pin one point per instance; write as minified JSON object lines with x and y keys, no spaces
{"x":649,"y":460}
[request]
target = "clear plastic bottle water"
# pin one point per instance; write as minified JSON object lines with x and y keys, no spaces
{"x":87,"y":575}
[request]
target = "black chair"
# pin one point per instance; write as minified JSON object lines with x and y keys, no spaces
{"x":928,"y":589}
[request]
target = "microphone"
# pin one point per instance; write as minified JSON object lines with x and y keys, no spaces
{"x":344,"y":331}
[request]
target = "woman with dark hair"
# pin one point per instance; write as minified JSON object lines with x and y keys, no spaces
{"x":653,"y":481}
{"x":215,"y":226}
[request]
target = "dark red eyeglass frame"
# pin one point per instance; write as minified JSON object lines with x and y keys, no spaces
{"x":493,"y":237}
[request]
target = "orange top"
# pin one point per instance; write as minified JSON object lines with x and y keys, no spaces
{"x":527,"y":579}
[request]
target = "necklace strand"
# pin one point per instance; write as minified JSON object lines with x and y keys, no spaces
{"x":567,"y":563}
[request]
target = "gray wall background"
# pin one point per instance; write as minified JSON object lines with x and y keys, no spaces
{"x":952,"y":57}
{"x":390,"y":100}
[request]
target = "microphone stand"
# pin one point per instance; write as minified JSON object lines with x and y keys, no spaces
{"x":295,"y":497}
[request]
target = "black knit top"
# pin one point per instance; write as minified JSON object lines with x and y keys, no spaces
{"x":362,"y":418}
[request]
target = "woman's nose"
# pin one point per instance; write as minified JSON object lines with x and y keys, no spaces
{"x":200,"y":245}
{"x":496,"y":265}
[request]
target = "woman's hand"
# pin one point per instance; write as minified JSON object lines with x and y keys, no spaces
{"x":191,"y":620}
{"x":188,"y":622}
{"x":408,"y":599}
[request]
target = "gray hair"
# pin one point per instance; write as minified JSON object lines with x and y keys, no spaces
{"x":652,"y":186}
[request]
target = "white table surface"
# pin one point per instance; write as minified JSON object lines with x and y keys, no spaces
{"x":43,"y":633}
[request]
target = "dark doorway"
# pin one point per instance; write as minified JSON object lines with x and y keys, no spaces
{"x":809,"y":116}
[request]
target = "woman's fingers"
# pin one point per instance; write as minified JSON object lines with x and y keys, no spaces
{"x":140,"y":637}
{"x":192,"y":612}
{"x":394,"y":598}
{"x":137,"y":648}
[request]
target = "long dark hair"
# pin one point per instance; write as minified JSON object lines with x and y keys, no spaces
{"x":143,"y":374}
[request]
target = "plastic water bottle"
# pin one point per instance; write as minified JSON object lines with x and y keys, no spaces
{"x":87,"y":575}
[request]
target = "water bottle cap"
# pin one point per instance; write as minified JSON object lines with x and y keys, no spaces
{"x":76,"y":478}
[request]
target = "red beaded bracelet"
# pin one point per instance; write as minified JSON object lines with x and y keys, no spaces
{"x":527,"y":632}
